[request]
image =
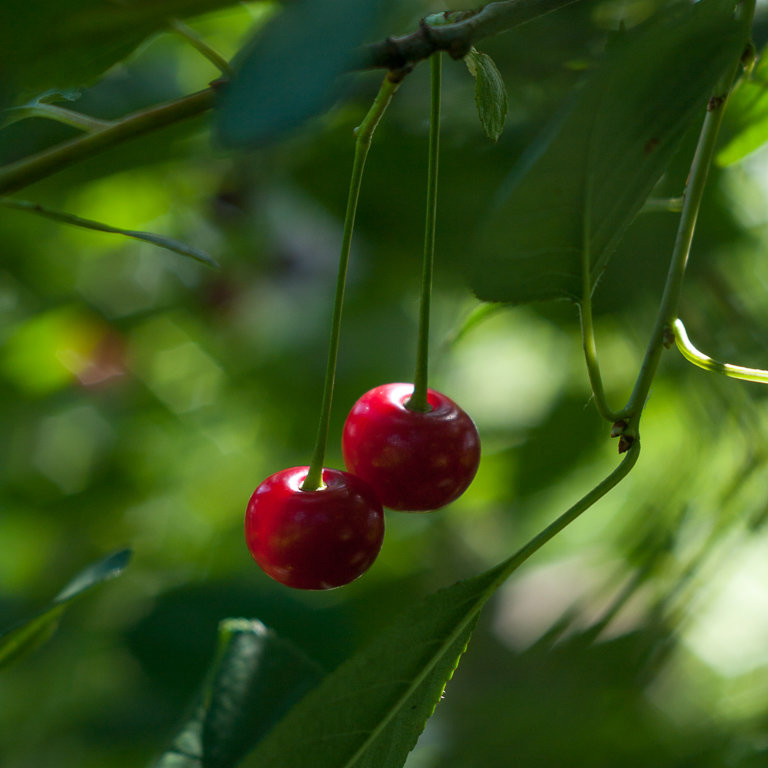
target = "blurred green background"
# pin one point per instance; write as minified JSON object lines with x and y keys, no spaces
{"x":144,"y":396}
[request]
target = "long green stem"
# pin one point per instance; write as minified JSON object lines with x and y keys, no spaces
{"x":693,"y":355}
{"x":581,"y":506}
{"x":364,"y":134}
{"x":418,"y":400}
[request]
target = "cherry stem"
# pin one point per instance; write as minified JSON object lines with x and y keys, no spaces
{"x":364,"y":134}
{"x":418,"y":400}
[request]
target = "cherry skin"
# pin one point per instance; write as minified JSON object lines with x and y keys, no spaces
{"x":314,"y":539}
{"x":413,"y":461}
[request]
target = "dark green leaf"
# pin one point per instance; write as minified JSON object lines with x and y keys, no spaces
{"x":370,"y":711}
{"x":577,"y":190}
{"x":54,"y":44}
{"x":745,"y":126}
{"x":68,"y":218}
{"x":256,"y":678}
{"x":260,"y":677}
{"x":490,"y":93}
{"x":29,"y":634}
{"x":290,"y":71}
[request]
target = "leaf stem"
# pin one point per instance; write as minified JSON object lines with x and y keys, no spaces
{"x":364,"y":134}
{"x":418,"y":400}
{"x":584,"y":503}
{"x":698,"y":358}
{"x":59,"y":114}
{"x":197,"y":42}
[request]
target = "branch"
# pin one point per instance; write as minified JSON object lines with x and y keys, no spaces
{"x":22,"y":173}
{"x":396,"y":54}
{"x":456,"y":38}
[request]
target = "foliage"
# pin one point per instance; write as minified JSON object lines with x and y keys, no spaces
{"x":145,"y":394}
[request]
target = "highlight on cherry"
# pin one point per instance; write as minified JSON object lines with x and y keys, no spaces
{"x":414,"y":460}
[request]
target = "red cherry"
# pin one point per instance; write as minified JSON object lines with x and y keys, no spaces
{"x":413,"y":461}
{"x":314,"y":539}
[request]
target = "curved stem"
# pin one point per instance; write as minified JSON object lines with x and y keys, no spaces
{"x":58,"y":114}
{"x":364,"y":134}
{"x":698,"y":358}
{"x":418,"y":400}
{"x":589,"y":345}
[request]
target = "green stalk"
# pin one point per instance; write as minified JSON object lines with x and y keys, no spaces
{"x":589,"y":345}
{"x":562,"y":522}
{"x":418,"y":400}
{"x":364,"y":134}
{"x":693,"y":355}
{"x":702,"y":160}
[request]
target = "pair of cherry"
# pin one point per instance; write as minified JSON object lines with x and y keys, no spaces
{"x":398,"y":457}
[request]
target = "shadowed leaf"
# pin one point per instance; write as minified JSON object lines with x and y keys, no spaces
{"x":256,"y":678}
{"x":578,"y":190}
{"x":490,"y":93}
{"x":290,"y":71}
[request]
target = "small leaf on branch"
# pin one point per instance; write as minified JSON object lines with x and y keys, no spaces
{"x":31,"y":633}
{"x":68,"y":218}
{"x":490,"y":93}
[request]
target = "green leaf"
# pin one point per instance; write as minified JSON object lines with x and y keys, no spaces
{"x":31,"y":633}
{"x":745,"y":125}
{"x":370,"y":711}
{"x":490,"y":93}
{"x":256,"y":678}
{"x":574,"y":194}
{"x":53,"y":44}
{"x":290,"y":71}
{"x":68,"y":218}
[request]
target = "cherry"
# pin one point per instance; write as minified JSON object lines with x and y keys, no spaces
{"x":314,"y":539}
{"x":413,"y":460}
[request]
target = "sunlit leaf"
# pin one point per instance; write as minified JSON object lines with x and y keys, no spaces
{"x":745,"y":127}
{"x":290,"y":71}
{"x":490,"y":93}
{"x":579,"y":188}
{"x":31,"y":633}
